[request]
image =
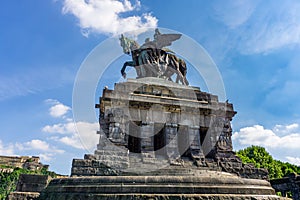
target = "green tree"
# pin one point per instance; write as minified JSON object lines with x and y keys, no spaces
{"x":8,"y":181}
{"x":262,"y":159}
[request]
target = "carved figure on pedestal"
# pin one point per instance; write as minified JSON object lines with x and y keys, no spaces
{"x":224,"y":143}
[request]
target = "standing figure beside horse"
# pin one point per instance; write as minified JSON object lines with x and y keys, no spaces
{"x":152,"y":59}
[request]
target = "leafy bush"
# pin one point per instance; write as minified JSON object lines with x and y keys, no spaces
{"x":8,"y":181}
{"x":262,"y":159}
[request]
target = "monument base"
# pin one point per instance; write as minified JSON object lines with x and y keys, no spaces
{"x":161,"y":140}
{"x":205,"y":184}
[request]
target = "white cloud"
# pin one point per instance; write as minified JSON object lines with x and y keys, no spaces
{"x":73,"y":141}
{"x":82,"y":134}
{"x":294,"y":160}
{"x":39,"y":145}
{"x":88,"y":134}
{"x":258,"y":135}
{"x":46,"y":157}
{"x":33,"y":147}
{"x":281,"y":129}
{"x":6,"y":149}
{"x":57,"y":109}
{"x":62,"y":128}
{"x":104,"y":16}
{"x":282,"y":141}
{"x":292,"y":126}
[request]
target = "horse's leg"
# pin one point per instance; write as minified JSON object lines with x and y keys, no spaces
{"x":180,"y":77}
{"x":128,"y":63}
{"x":169,"y":72}
{"x":185,"y":80}
{"x":180,"y":67}
{"x":177,"y":78}
{"x":169,"y":66}
{"x":183,"y":70}
{"x":175,"y":67}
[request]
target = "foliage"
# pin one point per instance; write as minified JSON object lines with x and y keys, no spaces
{"x":8,"y":181}
{"x":44,"y":171}
{"x":262,"y":159}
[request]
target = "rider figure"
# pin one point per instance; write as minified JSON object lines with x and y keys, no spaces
{"x":146,"y":54}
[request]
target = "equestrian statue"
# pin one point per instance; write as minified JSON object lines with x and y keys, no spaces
{"x":153,"y":59}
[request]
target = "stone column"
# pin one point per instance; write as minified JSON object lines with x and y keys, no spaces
{"x":172,"y":143}
{"x":215,"y":127}
{"x":147,"y":142}
{"x":195,"y":146}
{"x":194,"y":140}
{"x":147,"y":132}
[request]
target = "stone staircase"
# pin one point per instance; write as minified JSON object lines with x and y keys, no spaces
{"x":160,"y":165}
{"x":207,"y":185}
{"x":117,"y":159}
{"x":145,"y":163}
{"x":103,"y":162}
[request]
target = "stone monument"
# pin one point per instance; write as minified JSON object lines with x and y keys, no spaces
{"x":161,"y":139}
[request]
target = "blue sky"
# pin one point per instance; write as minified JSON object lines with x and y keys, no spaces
{"x":254,"y":43}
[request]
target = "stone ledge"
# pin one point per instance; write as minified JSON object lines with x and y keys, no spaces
{"x":134,"y":196}
{"x":23,"y":196}
{"x":209,"y":184}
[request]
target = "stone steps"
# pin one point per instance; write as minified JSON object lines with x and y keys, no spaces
{"x":115,"y":158}
{"x":112,"y":152}
{"x":139,"y":196}
{"x":209,"y":184}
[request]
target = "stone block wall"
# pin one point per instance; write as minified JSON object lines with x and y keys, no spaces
{"x":26,"y":162}
{"x":29,"y":187}
{"x":32,"y":182}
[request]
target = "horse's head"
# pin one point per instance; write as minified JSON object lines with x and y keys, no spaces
{"x":128,"y":44}
{"x":125,"y":44}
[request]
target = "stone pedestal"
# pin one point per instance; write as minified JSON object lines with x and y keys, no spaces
{"x":193,"y":185}
{"x":147,"y":121}
{"x":162,"y":140}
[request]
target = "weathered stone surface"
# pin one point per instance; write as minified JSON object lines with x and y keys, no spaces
{"x":29,"y":187}
{"x":32,"y":182}
{"x":26,"y":162}
{"x":204,"y":184}
{"x":161,"y":140}
{"x":84,"y":167}
{"x":153,"y":117}
{"x":291,"y":183}
{"x":23,"y":196}
{"x":165,"y":197}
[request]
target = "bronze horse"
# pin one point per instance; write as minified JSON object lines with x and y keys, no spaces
{"x":152,"y":60}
